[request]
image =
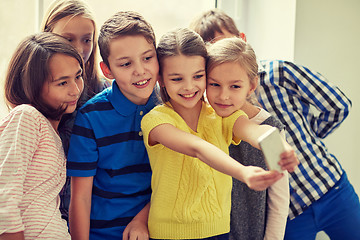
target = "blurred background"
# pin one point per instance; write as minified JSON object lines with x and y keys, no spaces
{"x":320,"y":34}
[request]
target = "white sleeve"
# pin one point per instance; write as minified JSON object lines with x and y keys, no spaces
{"x":277,"y":209}
{"x":18,"y":137}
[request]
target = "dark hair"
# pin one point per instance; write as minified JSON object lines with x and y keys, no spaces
{"x":181,"y":41}
{"x":213,"y":21}
{"x":60,"y":9}
{"x":125,"y":23}
{"x":28,"y":71}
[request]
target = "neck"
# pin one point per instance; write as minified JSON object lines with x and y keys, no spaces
{"x":190,"y":115}
{"x":54,"y":124}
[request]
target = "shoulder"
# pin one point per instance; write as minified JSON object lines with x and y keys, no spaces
{"x":160,"y":114}
{"x":98,"y":102}
{"x":27,"y":111}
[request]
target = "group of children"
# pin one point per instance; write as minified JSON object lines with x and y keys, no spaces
{"x":140,"y":166}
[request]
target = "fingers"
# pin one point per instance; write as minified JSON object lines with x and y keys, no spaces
{"x":288,"y":161}
{"x":262,"y":180}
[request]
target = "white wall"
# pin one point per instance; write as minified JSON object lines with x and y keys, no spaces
{"x":268,"y":24}
{"x":21,"y":18}
{"x":327,"y":40}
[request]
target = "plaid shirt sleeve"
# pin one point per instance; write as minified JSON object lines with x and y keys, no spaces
{"x":311,"y":108}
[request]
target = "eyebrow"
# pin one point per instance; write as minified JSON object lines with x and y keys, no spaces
{"x":197,"y":72}
{"x":232,"y":81}
{"x":146,"y":52}
{"x":66,"y":77}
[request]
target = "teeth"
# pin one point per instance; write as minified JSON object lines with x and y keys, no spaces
{"x":141,"y":83}
{"x":189,"y":95}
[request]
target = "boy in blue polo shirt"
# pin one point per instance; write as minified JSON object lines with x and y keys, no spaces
{"x":107,"y":160}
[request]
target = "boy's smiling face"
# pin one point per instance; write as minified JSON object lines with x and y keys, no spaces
{"x":134,"y":66}
{"x":228,"y":86}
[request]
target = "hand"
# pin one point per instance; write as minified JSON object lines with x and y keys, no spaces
{"x":136,"y":230}
{"x":258,"y":179}
{"x":288,"y":160}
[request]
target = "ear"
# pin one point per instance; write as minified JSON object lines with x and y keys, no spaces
{"x":242,"y":36}
{"x":106,"y":70}
{"x":253,"y":85}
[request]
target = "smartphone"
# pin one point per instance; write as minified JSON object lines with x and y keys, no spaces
{"x":272,"y":146}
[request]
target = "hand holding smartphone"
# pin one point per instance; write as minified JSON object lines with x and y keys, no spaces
{"x":272,"y":146}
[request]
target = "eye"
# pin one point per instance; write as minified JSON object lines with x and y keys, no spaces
{"x":89,"y":40}
{"x":63,"y":83}
{"x":79,"y":76}
{"x":176,"y":79}
{"x":198,"y":76}
{"x":148,"y":58}
{"x":235,"y":86}
{"x":214,"y":85}
{"x":125,"y":64}
{"x":69,"y":39}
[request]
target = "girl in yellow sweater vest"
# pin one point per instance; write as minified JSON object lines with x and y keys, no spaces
{"x":191,"y":198}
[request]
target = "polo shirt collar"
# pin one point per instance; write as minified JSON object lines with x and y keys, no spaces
{"x":123,"y":105}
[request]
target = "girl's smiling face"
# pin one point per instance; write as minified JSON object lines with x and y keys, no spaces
{"x":184,"y":78}
{"x":228,"y":87}
{"x":65,"y":83}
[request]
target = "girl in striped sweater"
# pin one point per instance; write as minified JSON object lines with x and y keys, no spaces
{"x":43,"y":82}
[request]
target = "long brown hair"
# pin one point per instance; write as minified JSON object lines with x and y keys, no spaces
{"x":181,"y":41}
{"x":28,"y":71}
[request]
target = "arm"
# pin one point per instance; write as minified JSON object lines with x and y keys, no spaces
{"x":186,"y":143}
{"x":250,"y":132}
{"x":331,"y":102}
{"x":137,"y":229}
{"x":19,"y":133}
{"x":297,"y":85}
{"x":12,"y":236}
{"x":278,"y":209}
{"x":80,"y":206}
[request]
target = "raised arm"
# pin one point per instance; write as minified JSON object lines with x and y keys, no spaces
{"x":295,"y":85}
{"x":250,"y":132}
{"x":186,"y":143}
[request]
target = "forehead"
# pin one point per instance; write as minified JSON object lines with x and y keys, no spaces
{"x":129,"y":46}
{"x":77,"y":24}
{"x":230,"y":71}
{"x":181,"y":64}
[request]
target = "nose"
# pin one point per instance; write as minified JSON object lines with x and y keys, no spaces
{"x":139,"y":69}
{"x":79,"y":47}
{"x":76,"y":88}
{"x":224,"y":94}
{"x":188,"y":84}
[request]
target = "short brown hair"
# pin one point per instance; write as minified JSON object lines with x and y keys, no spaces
{"x":125,"y":23}
{"x":28,"y":71}
{"x":213,"y":21}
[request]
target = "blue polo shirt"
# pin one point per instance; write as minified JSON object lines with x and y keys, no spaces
{"x":107,"y":143}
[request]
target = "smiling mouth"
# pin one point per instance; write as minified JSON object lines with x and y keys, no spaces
{"x":220,"y":105}
{"x":190,"y":95}
{"x":142,"y":82}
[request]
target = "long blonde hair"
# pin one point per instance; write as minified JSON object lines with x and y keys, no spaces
{"x":181,"y":41}
{"x":60,"y":9}
{"x":234,"y":50}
